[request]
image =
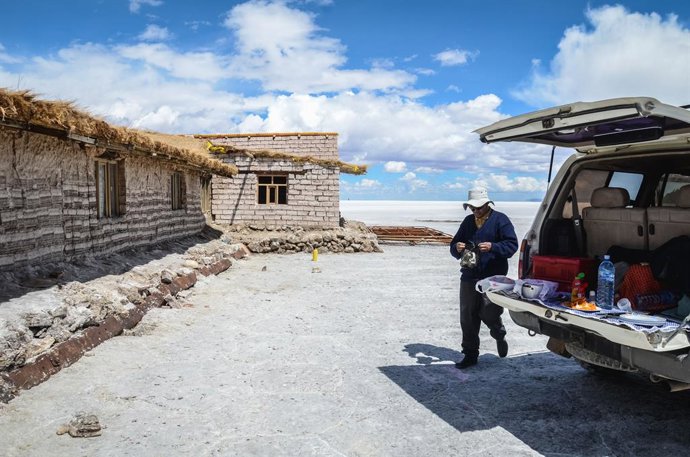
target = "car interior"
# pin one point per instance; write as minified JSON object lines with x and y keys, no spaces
{"x":636,"y":202}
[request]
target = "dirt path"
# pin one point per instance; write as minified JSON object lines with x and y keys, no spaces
{"x":353,"y":360}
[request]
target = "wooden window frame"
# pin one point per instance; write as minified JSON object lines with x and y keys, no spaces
{"x":108,"y":188}
{"x":178,"y":191}
{"x":273,"y":190}
{"x":206,"y":194}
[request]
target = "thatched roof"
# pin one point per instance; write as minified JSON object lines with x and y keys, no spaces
{"x":23,"y":110}
{"x":270,"y":154}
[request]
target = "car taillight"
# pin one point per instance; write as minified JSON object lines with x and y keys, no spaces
{"x":523,"y":260}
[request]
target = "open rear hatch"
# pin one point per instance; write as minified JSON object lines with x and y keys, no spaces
{"x":604,"y":123}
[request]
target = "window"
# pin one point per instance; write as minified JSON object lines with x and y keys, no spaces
{"x":206,"y":195}
{"x":585,"y":183}
{"x":272,"y":190}
{"x":588,"y":180}
{"x":177,"y":191}
{"x":109,"y":188}
{"x":628,"y":181}
{"x":667,"y":190}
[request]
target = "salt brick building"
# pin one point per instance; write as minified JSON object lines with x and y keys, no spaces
{"x":71,"y":184}
{"x":284,"y":179}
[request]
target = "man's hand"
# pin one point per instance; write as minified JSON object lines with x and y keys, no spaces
{"x":485,"y":246}
{"x":460,"y":246}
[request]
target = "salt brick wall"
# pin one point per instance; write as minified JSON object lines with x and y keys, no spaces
{"x":319,"y":146}
{"x":313,"y":191}
{"x":48,"y":207}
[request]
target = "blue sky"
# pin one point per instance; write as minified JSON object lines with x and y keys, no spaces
{"x":403,"y":82}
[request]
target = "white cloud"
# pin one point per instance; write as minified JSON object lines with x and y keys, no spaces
{"x":452,"y":57}
{"x":362,"y":187}
{"x":135,"y":5}
{"x":6,"y":58}
{"x":503,"y":183}
{"x":395,"y":167}
{"x":455,"y":185}
{"x":428,"y":170}
{"x":388,"y":128}
{"x":318,"y":2}
{"x":413,"y":183}
{"x":190,"y":65}
{"x":135,"y":95}
{"x":453,"y":88}
{"x":196,"y":25}
{"x":154,"y":32}
{"x":285,"y":50}
{"x":366,"y":183}
{"x":425,"y":71}
{"x":618,"y":53}
{"x":383,"y":63}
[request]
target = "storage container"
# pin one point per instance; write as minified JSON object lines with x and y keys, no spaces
{"x":563,"y":269}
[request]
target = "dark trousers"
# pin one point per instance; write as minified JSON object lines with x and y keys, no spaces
{"x":475,"y":309}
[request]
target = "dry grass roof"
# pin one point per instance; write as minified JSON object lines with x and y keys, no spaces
{"x":22,"y":109}
{"x":348,"y":168}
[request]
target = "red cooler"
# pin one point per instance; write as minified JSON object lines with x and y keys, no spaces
{"x":563,"y":269}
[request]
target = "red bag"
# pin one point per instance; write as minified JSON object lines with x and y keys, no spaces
{"x":638,"y":280}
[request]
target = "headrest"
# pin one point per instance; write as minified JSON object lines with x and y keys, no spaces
{"x":610,"y":197}
{"x":683,"y":200}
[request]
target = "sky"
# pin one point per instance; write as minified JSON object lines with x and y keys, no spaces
{"x":404,"y":83}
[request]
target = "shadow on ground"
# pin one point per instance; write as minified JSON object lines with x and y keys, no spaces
{"x":549,"y":403}
{"x":22,"y":280}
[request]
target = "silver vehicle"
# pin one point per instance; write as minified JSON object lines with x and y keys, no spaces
{"x":627,"y":184}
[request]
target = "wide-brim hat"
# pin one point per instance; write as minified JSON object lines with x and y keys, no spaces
{"x":477,"y":198}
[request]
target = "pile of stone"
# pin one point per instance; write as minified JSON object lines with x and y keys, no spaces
{"x":83,"y":425}
{"x":50,"y":328}
{"x":353,"y":237}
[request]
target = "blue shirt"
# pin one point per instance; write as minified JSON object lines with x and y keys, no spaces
{"x":498,"y":230}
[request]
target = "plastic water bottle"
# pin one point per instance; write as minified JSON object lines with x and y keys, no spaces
{"x":605,"y":284}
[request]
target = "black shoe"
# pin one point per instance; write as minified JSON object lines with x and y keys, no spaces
{"x":466,"y":362}
{"x":502,"y":346}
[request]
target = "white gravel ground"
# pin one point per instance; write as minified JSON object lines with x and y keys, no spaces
{"x":354,"y":360}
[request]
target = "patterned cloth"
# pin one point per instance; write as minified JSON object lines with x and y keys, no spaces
{"x":556,"y":303}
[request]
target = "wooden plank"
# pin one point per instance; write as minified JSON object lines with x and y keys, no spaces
{"x":411,"y":234}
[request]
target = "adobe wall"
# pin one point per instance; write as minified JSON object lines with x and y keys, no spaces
{"x":313,"y":191}
{"x":48,"y":206}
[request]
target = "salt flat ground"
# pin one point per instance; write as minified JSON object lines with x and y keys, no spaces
{"x":353,"y":361}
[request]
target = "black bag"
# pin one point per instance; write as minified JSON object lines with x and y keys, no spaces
{"x":669,"y":263}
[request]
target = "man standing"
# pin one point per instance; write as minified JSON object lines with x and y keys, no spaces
{"x":493,"y":237}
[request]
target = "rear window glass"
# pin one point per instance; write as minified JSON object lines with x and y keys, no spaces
{"x":667,"y":190}
{"x":588,"y":180}
{"x":628,"y":181}
{"x":585,"y":183}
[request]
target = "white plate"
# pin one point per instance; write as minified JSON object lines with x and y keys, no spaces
{"x":642,"y":319}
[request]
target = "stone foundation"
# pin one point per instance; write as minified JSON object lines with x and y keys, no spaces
{"x":286,"y":239}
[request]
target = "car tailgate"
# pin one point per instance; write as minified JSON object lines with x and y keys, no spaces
{"x":650,"y":341}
